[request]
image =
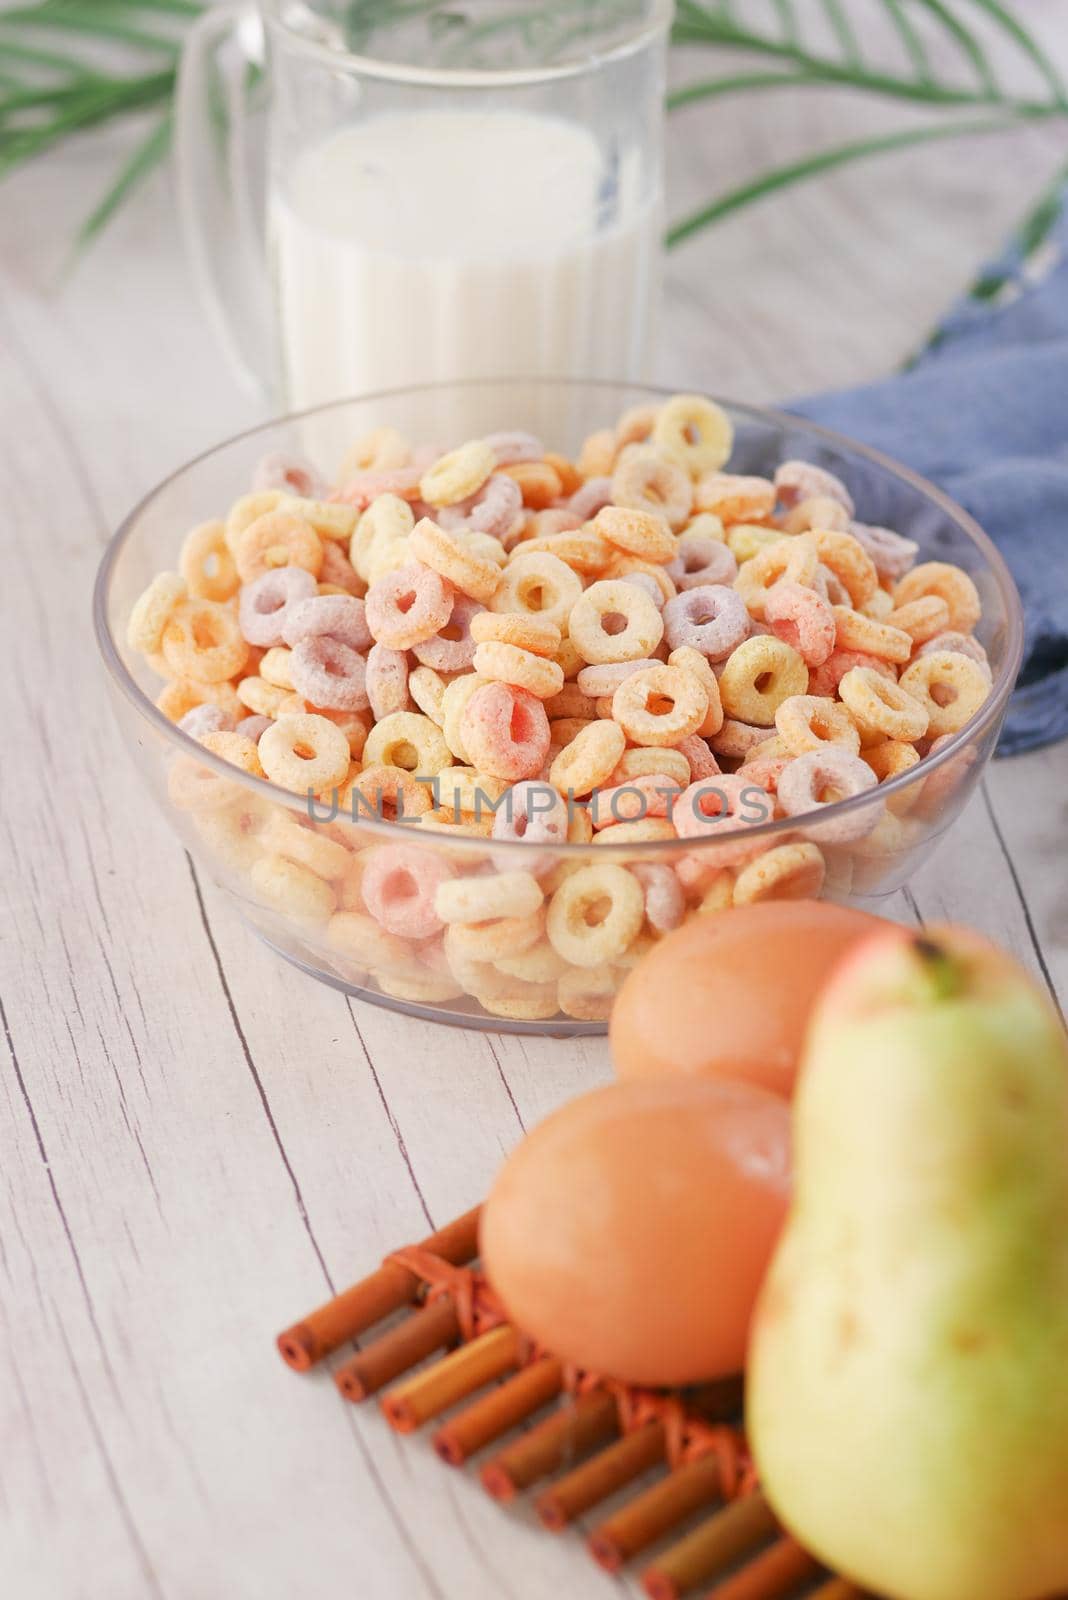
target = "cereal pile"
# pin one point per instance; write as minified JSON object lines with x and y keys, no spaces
{"x":633,"y":648}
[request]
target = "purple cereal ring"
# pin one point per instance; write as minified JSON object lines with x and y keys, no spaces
{"x":206,"y":719}
{"x":292,"y":473}
{"x":646,"y":582}
{"x":329,"y":675}
{"x":340,"y":616}
{"x":803,"y":480}
{"x":703,"y":763}
{"x":252,"y":727}
{"x":492,"y":510}
{"x":407,"y":606}
{"x":665,"y":902}
{"x":807,"y":778}
{"x":453,"y":649}
{"x":702,"y":561}
{"x":536,"y":813}
{"x":603,"y":680}
{"x":802,"y":619}
{"x":264,"y":605}
{"x":515,"y":445}
{"x":591,"y":497}
{"x":891,"y":552}
{"x":712,"y":618}
{"x":387,"y":680}
{"x":398,"y":887}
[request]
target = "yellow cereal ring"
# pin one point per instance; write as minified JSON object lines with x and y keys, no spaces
{"x":410,"y":741}
{"x":757,"y":677}
{"x":427,"y":689}
{"x":731,"y":498}
{"x":275,"y":667}
{"x":849,"y":561}
{"x":152,"y":611}
{"x":536,"y":1002}
{"x":636,"y":425}
{"x":695,"y":433}
{"x":786,"y":872}
{"x":746,"y":540}
{"x":660,"y":705}
{"x":540,"y":584}
{"x":818,"y":511}
{"x":494,"y":937}
{"x":807,"y":721}
{"x":264,"y":699}
{"x":304,"y":753}
{"x":201,"y":639}
{"x":597,"y":456}
{"x":586,"y":994}
{"x":644,"y":830}
{"x":487,"y":898}
{"x":854,"y":631}
{"x":595,"y":913}
{"x":614,"y":621}
{"x":507,"y":663}
{"x":590,"y":758}
{"x":277,"y":539}
{"x":207,"y":564}
{"x":331,"y":519}
{"x":283,"y":835}
{"x":645,"y":761}
{"x":292,"y":890}
{"x":951,"y":584}
{"x":447,"y":555}
{"x":359,"y":942}
{"x":691,"y":660}
{"x":232,"y":833}
{"x":881,"y":708}
{"x":518,"y":628}
{"x":639,"y":533}
{"x":949,"y":685}
{"x":458,"y":474}
{"x":539,"y":964}
{"x":381,"y":450}
{"x":244,"y":512}
{"x":192,"y":786}
{"x":645,"y":481}
{"x":784,"y":561}
{"x":453,"y":705}
{"x":880,"y":607}
{"x":384,"y":526}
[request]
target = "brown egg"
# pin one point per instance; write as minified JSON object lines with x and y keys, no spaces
{"x":629,"y":1233}
{"x":728,"y":995}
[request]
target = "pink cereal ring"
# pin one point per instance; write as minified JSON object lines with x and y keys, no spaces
{"x":515,"y":445}
{"x":293,"y":473}
{"x":252,"y":727}
{"x":536,"y":813}
{"x":263,"y":606}
{"x":367,"y":486}
{"x":765,"y":771}
{"x":712,"y":618}
{"x":505,"y":731}
{"x":338,"y":569}
{"x":665,"y":903}
{"x":492,"y":510}
{"x":591,"y":497}
{"x":810,"y":783}
{"x":329,"y":675}
{"x":408,"y":605}
{"x":701,"y":561}
{"x":206,"y":719}
{"x":825,"y":678}
{"x":802,"y":619}
{"x":720,"y":806}
{"x":398,"y":887}
{"x":453,"y":649}
{"x":387,"y":680}
{"x":603,"y":680}
{"x":891,"y":552}
{"x":703,"y":763}
{"x":341,"y":616}
{"x":650,"y":795}
{"x":803,"y":480}
{"x":961,"y":644}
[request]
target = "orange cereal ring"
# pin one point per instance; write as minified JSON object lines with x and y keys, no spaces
{"x":786,"y":872}
{"x":921,"y":619}
{"x":614,"y":621}
{"x":539,"y":482}
{"x":152,"y":611}
{"x":825,"y":678}
{"x":636,"y":425}
{"x":304,"y":753}
{"x":758,"y":677}
{"x":388,"y":793}
{"x":509,"y":663}
{"x":201,"y":639}
{"x":458,"y":474}
{"x":588,"y":760}
{"x":808,"y":722}
{"x":854,"y":631}
{"x":244,"y":512}
{"x":695,"y":433}
{"x":819,"y":512}
{"x":381,"y":450}
{"x":951,"y":584}
{"x":597,"y":456}
{"x":644,"y":481}
{"x":206,"y":562}
{"x":639,"y":533}
{"x":660,"y":705}
{"x":881,"y":708}
{"x":278,"y":539}
{"x":784,"y":560}
{"x":235,"y":748}
{"x":519,"y":628}
{"x":847,"y":558}
{"x":283,"y":834}
{"x":949,"y":685}
{"x":448,"y":556}
{"x":732,"y":498}
{"x":583,"y":550}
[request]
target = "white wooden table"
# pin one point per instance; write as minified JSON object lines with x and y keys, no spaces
{"x":196,"y":1142}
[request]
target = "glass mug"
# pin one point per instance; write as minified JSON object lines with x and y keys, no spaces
{"x":440,"y":189}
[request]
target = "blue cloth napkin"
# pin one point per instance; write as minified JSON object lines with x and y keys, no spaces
{"x":983,"y":412}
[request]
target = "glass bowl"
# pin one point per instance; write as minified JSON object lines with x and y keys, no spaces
{"x":294,"y":871}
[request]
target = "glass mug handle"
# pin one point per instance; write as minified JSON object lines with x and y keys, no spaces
{"x":217,"y":190}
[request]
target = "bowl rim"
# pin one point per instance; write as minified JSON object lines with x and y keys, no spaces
{"x":989,"y":712}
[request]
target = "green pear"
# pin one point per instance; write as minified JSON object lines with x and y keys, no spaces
{"x":908,"y":1367}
